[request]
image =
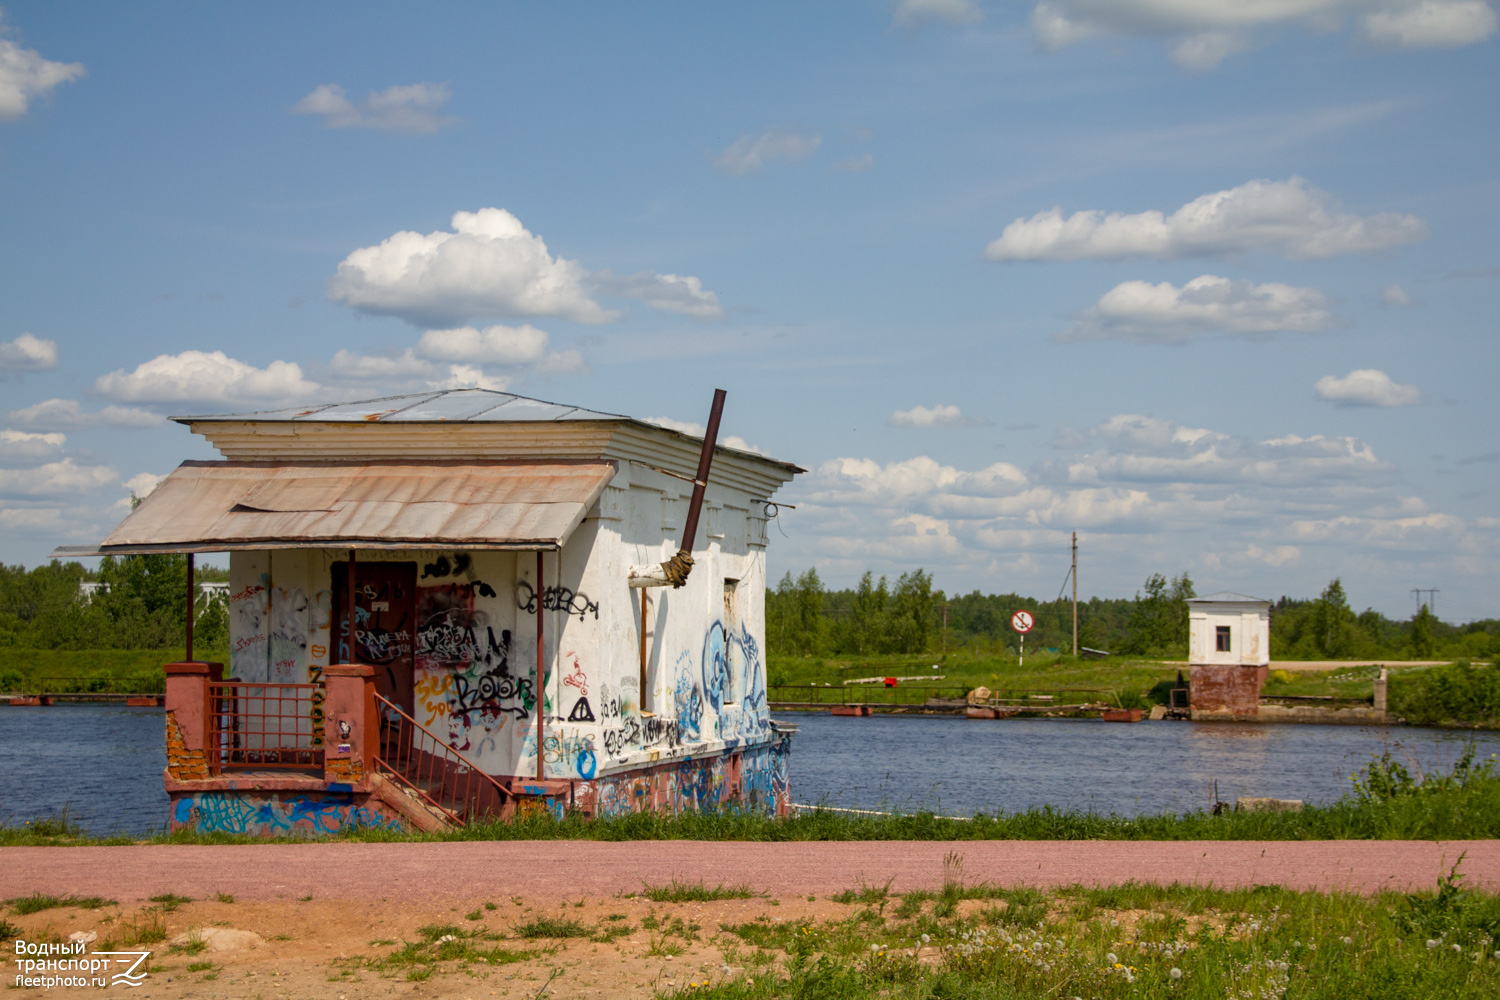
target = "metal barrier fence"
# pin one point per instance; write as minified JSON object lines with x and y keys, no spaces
{"x":860,"y":694}
{"x":427,"y":767}
{"x":253,"y":724}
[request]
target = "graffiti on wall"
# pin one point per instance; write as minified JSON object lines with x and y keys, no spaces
{"x":249,"y":609}
{"x":754,"y":780}
{"x":555,"y":599}
{"x":272,"y":814}
{"x":464,"y":688}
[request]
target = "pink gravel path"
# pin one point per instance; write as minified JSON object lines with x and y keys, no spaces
{"x":572,"y":868}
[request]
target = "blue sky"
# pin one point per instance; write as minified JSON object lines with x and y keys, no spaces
{"x":1212,"y":283}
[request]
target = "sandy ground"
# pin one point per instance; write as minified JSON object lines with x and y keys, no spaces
{"x":320,"y":910}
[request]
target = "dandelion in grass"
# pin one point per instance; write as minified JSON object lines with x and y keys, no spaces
{"x":1176,"y":973}
{"x":1431,"y":944}
{"x":1113,"y":959}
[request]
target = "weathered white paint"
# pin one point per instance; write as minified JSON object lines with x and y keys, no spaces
{"x":1249,"y":624}
{"x":705,"y":686}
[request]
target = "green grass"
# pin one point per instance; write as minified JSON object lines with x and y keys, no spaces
{"x":37,"y":902}
{"x":552,"y":927}
{"x":695,"y":892}
{"x":437,"y":943}
{"x":1441,"y":810}
{"x":169,"y":901}
{"x":123,"y":671}
{"x":1130,"y":941}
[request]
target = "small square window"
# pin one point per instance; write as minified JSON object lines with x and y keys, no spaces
{"x":1221,"y":638}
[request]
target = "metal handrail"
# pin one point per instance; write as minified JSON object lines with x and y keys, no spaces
{"x":458,"y":779}
{"x":239,"y":737}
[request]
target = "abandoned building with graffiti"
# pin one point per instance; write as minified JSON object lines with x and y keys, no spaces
{"x":467,"y":604}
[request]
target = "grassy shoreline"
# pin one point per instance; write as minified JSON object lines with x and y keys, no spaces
{"x":1386,"y":802}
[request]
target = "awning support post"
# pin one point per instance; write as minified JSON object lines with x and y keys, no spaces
{"x":353,"y":654}
{"x":541,"y":671}
{"x":189,"y":657}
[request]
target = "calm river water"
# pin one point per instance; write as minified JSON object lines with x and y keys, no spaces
{"x":104,"y":763}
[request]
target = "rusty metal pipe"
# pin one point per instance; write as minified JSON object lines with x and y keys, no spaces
{"x":541,"y":672}
{"x":675,"y":570}
{"x":700,"y":482}
{"x":353,"y":650}
{"x":189,"y":656}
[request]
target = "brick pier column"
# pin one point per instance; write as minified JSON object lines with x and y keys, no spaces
{"x":188,"y":716}
{"x":351,"y":727}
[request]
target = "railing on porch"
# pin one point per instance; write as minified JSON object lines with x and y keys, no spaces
{"x":253,"y":724}
{"x":427,"y":767}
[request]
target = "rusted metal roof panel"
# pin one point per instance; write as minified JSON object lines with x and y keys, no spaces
{"x":449,"y":405}
{"x":215,"y":506}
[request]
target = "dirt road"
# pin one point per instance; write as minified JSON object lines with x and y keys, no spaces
{"x":571,"y":868}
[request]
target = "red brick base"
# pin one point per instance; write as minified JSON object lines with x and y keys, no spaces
{"x":1225,"y":691}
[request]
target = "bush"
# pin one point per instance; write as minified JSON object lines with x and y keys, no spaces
{"x":1457,"y":693}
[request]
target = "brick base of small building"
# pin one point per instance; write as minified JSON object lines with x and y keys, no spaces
{"x":1225,"y":691}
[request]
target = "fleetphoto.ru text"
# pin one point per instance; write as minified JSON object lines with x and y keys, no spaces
{"x":47,"y":964}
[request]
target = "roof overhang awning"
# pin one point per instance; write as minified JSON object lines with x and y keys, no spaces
{"x":225,"y":506}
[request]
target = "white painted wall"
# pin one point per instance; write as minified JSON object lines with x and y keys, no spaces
{"x":1249,"y":623}
{"x":705,"y":686}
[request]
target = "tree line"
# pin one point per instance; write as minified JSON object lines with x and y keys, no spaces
{"x":805,"y":618}
{"x":141,"y":606}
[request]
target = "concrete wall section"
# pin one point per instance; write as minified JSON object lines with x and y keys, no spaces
{"x":753,"y":780}
{"x":278,"y":814}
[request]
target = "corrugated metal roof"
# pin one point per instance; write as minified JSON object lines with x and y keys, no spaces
{"x":1227,"y":597}
{"x":216,"y":506}
{"x":447,"y":405}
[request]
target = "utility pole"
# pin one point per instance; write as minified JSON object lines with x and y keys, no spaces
{"x":1431,"y":593}
{"x":945,"y":628}
{"x":1075,"y":594}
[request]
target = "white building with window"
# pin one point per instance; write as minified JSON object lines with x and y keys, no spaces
{"x":1229,"y":628}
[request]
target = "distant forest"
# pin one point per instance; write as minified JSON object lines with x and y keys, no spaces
{"x":143,"y":609}
{"x":803,"y":617}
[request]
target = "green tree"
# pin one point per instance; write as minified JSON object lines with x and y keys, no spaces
{"x":1158,"y":622}
{"x":1333,"y":622}
{"x":1422,"y":641}
{"x":911,"y":612}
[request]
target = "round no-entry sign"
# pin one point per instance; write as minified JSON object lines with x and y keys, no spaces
{"x":1022,"y":621}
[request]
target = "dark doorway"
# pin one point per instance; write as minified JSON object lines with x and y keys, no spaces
{"x":385,"y":601}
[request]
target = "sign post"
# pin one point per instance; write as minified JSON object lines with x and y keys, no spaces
{"x":1022,"y":622}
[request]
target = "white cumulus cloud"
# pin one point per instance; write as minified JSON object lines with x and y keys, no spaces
{"x":750,"y":153}
{"x":142,"y":484}
{"x":26,"y":75}
{"x":675,"y":293}
{"x":1431,"y":24}
{"x":698,"y":430}
{"x":915,"y":13}
{"x":206,"y":376}
{"x":941,"y":415}
{"x":489,"y":265}
{"x":63,"y":478}
{"x":1202,"y":33}
{"x":509,"y":345}
{"x":1165,"y":314}
{"x":69,"y":415}
{"x":24,"y":446}
{"x":1289,"y":217}
{"x":1395,"y":295}
{"x":1366,"y":387}
{"x":27,"y":354}
{"x":412,"y":108}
